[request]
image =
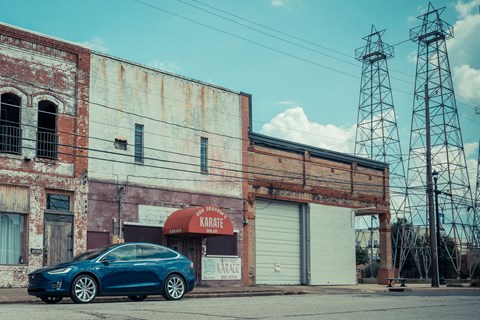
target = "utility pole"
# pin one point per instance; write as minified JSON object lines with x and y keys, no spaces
{"x":431,"y":213}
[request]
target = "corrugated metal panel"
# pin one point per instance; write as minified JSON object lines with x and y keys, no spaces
{"x":14,"y":199}
{"x":332,"y":245}
{"x":277,"y":246}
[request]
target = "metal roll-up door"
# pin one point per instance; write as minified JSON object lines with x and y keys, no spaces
{"x":332,"y":245}
{"x":277,"y":243}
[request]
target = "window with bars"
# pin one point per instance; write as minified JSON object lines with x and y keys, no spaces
{"x":203,"y":154}
{"x":10,"y":131}
{"x":139,"y":143}
{"x":47,"y":138}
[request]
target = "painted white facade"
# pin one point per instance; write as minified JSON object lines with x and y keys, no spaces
{"x":175,"y":112}
{"x":332,"y":245}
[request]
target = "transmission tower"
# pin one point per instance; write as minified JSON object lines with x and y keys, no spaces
{"x":436,"y":148}
{"x":474,"y":251}
{"x":377,"y":133}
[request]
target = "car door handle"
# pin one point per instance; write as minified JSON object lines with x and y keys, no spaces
{"x":140,"y":264}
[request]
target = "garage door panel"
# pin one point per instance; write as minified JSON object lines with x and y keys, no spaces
{"x":277,"y":232}
{"x":332,"y":249}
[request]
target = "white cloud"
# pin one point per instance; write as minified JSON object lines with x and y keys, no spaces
{"x":471,"y":154}
{"x":412,"y":57}
{"x":96,"y":44}
{"x":172,"y":67}
{"x":278,"y":3}
{"x":293,"y":125}
{"x":467,"y":81}
{"x":465,"y":9}
{"x":285,"y":103}
{"x":464,"y":48}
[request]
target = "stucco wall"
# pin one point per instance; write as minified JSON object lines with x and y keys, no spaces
{"x":176,"y":112}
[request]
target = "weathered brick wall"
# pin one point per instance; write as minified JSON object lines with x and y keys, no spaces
{"x":37,"y":68}
{"x":274,"y":173}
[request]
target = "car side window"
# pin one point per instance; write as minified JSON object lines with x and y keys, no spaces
{"x":126,"y":253}
{"x":147,"y":252}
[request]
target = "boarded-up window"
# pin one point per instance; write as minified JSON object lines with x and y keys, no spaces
{"x":222,"y":245}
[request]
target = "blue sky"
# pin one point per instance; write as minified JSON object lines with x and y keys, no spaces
{"x":305,"y":91}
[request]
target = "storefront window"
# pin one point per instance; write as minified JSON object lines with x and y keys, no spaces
{"x":11,"y":238}
{"x":222,"y":245}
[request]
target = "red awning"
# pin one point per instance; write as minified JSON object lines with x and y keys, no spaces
{"x":207,"y":220}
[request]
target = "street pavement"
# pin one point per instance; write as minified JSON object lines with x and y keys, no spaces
{"x":20,"y":295}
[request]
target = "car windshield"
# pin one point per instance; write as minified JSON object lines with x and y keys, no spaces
{"x":89,"y":254}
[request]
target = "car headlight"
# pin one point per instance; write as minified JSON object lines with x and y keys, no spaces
{"x":60,"y":271}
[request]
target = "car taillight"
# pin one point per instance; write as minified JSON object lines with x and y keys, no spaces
{"x":191,"y":265}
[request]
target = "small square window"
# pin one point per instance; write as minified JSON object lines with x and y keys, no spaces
{"x":58,"y":202}
{"x":120,"y":144}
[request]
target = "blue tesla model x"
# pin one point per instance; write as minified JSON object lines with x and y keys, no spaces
{"x":135,"y":269}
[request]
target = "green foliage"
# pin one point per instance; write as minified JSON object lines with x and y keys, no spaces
{"x":410,"y":268}
{"x":361,"y":255}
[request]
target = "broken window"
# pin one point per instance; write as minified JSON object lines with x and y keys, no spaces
{"x":47,"y":138}
{"x":10,"y":132}
{"x":120,"y":143}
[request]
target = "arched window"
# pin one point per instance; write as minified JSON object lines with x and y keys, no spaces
{"x":47,"y":138}
{"x":10,"y":132}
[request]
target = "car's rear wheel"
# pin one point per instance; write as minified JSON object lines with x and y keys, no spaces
{"x":51,"y":300}
{"x":84,"y":289}
{"x":137,"y":298}
{"x":174,"y":287}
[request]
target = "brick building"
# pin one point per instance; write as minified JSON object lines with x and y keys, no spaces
{"x":164,"y":149}
{"x":44,"y":86}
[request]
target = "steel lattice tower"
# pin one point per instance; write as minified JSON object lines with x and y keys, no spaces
{"x":377,"y":132}
{"x":436,"y":146}
{"x":474,"y":251}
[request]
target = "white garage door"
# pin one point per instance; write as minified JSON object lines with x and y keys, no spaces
{"x":332,"y":245}
{"x":277,"y":242}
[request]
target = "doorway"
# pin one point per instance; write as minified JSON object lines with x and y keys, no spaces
{"x":58,"y":239}
{"x":191,"y":248}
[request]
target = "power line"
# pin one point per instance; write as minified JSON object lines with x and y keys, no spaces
{"x":281,"y":172}
{"x":271,"y":48}
{"x":247,"y":40}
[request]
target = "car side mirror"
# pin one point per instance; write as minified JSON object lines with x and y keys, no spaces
{"x":109,"y":259}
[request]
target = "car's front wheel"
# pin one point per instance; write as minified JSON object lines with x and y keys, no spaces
{"x":51,"y":300}
{"x":174,"y":287}
{"x":84,"y":289}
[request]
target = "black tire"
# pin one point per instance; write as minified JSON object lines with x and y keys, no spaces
{"x":84,"y":289}
{"x":174,"y":287}
{"x":51,"y":300}
{"x":137,"y":298}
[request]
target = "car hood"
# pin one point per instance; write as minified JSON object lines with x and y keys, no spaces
{"x":58,"y":266}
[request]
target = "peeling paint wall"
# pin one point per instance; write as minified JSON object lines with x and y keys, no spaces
{"x":175,"y":112}
{"x":37,"y":68}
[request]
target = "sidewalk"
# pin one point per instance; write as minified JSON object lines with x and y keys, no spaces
{"x":20,"y":295}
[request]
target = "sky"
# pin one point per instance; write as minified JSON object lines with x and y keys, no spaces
{"x":295,"y":57}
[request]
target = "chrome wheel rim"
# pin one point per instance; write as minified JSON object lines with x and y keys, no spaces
{"x":85,"y":289}
{"x":175,"y":287}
